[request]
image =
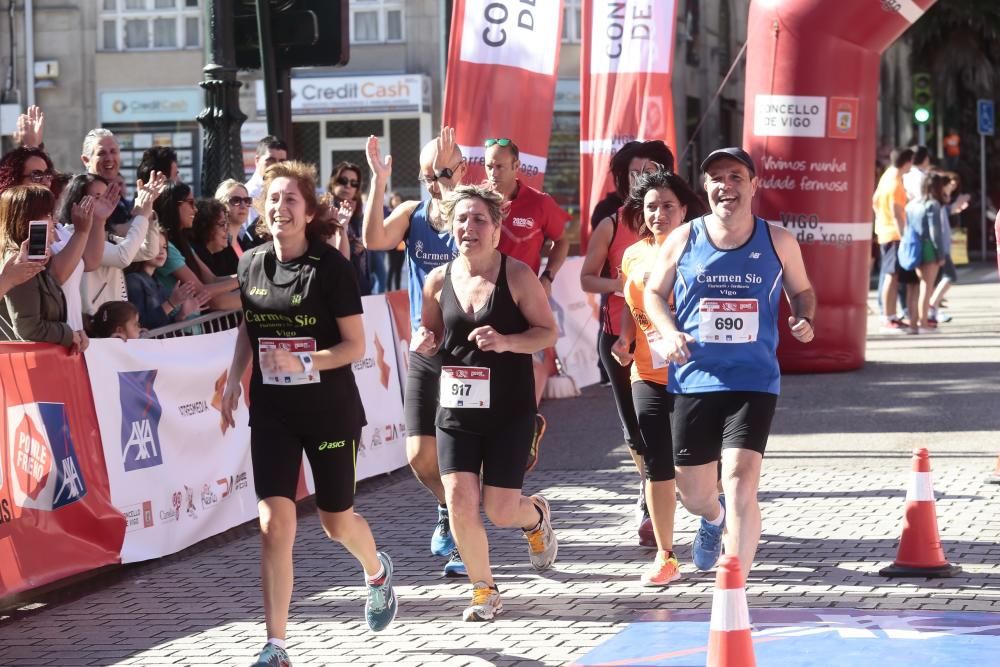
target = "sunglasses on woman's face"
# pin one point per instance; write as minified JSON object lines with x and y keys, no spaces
{"x":37,"y":176}
{"x":240,"y":201}
{"x":348,"y":182}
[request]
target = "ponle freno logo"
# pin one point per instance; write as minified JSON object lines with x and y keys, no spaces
{"x":44,"y":471}
{"x":32,"y":458}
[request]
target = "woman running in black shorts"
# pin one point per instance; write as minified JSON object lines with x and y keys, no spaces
{"x":488,"y":313}
{"x":657,"y":204}
{"x":302,"y":330}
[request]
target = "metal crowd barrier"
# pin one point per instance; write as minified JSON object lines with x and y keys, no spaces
{"x":213,"y":322}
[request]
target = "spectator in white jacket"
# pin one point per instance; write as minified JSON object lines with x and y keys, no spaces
{"x":123,"y":245}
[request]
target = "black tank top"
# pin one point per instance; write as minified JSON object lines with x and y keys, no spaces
{"x":512,"y":381}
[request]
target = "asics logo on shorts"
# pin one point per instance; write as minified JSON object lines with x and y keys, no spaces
{"x":257,"y":291}
{"x":332,"y":444}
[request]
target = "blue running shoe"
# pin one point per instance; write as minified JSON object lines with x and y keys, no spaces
{"x":272,"y":656}
{"x":707,"y":546}
{"x":455,"y":567}
{"x":380,"y":608}
{"x":442,"y":543}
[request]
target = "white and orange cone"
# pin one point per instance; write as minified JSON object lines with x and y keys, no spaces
{"x":729,"y":641}
{"x":920,"y":553}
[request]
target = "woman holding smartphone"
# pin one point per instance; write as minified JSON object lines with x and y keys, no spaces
{"x":35,"y":310}
{"x":302,"y":330}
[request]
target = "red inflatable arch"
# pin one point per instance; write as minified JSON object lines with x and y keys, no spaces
{"x":812,"y":82}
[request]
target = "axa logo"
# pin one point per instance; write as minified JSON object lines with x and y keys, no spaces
{"x":140,"y":420}
{"x":755,"y":255}
{"x":44,"y":470}
{"x":524,"y":223}
{"x":257,"y":291}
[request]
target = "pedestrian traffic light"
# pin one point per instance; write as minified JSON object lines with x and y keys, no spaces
{"x":923,"y":98}
{"x":305,"y":33}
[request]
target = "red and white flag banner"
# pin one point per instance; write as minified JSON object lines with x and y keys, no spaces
{"x":501,"y":80}
{"x":626,"y":71}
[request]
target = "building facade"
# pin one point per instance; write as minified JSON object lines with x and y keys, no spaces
{"x":134,"y":66}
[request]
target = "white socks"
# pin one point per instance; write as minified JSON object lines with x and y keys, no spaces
{"x":719,"y":519}
{"x":280,"y":643}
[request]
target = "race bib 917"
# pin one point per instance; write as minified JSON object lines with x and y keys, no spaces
{"x":465,"y":387}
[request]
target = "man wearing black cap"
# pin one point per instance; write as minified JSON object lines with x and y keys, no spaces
{"x":723,"y":270}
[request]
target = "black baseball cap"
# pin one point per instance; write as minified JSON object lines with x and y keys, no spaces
{"x":733,"y":153}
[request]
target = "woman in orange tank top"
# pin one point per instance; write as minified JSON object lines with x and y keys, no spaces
{"x":657,"y":205}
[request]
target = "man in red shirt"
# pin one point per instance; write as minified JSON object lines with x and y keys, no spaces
{"x":531,"y":218}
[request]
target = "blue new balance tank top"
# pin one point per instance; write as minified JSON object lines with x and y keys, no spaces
{"x":728,"y":301}
{"x":426,"y":249}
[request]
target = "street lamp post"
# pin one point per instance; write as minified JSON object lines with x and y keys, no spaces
{"x":221,"y":119}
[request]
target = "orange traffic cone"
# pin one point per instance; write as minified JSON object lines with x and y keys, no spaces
{"x":729,"y":642}
{"x":920,"y":553}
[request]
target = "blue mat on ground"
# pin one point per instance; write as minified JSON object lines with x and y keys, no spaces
{"x":812,"y":638}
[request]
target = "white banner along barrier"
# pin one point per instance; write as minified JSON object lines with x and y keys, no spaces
{"x":383,"y":441}
{"x":577,"y":314}
{"x":173,"y":474}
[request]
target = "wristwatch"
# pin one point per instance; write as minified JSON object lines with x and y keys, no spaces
{"x":307,"y":362}
{"x":547,"y":275}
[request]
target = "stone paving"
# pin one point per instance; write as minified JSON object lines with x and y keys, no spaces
{"x":831,"y":496}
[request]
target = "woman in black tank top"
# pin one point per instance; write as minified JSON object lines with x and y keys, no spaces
{"x":488,"y":313}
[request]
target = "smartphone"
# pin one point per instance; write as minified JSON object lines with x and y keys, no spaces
{"x":38,"y":239}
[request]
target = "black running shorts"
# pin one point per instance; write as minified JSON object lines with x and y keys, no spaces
{"x":420,"y":396}
{"x":705,"y":424}
{"x":500,"y":454}
{"x":653,"y":404}
{"x":276,"y":446}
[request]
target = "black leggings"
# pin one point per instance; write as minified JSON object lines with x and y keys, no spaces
{"x":621,"y":387}
{"x":653,"y":405}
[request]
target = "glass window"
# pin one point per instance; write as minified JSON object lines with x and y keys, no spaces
{"x":191,"y":31}
{"x":572,"y":21}
{"x":394,"y":26}
{"x":164,"y":33}
{"x":150,"y":24}
{"x":136,"y":34}
{"x":110,"y":29}
{"x":365,"y":26}
{"x":377,"y":21}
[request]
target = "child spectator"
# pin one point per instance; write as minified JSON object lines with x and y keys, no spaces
{"x":155,"y":305}
{"x":116,"y":319}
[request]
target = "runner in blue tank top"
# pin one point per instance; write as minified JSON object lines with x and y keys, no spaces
{"x":429,"y":244}
{"x":724,"y":271}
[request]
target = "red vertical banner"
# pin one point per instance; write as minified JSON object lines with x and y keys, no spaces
{"x":626,"y":73}
{"x":56,"y":516}
{"x":501,"y":80}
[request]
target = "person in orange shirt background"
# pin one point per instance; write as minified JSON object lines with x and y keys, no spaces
{"x":889,"y":204}
{"x":952,"y":148}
